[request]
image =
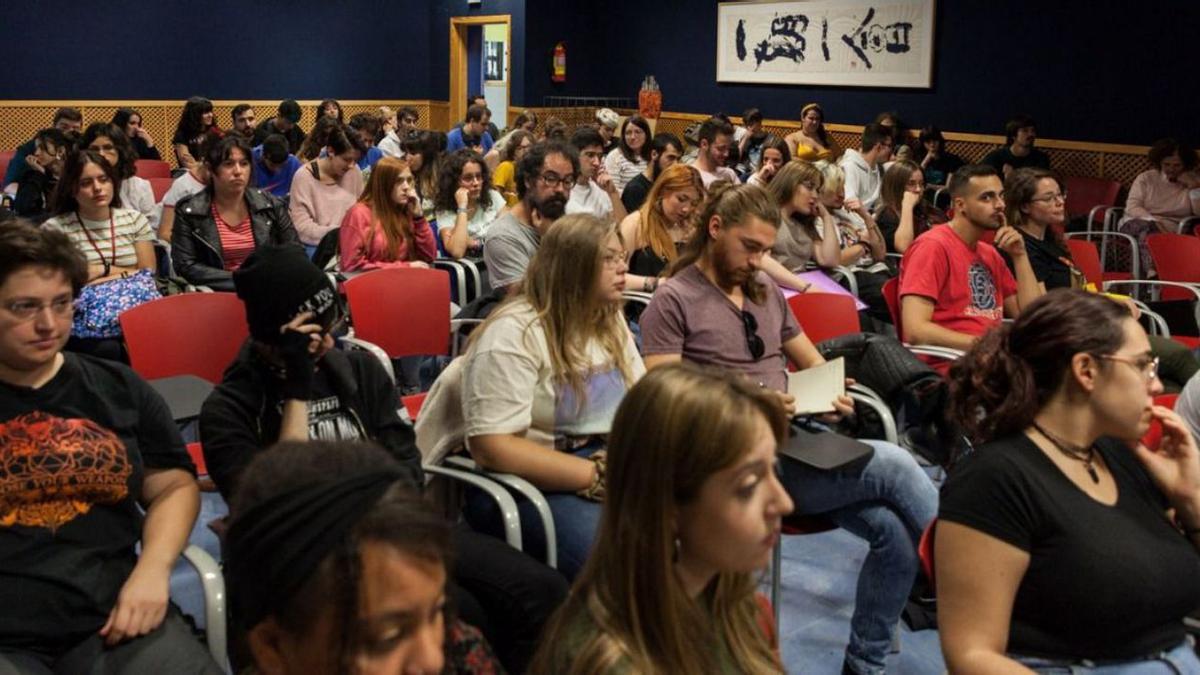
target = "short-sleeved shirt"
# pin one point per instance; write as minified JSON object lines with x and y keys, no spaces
{"x":635,"y":192}
{"x":1001,"y":156}
{"x":967,"y":285}
{"x":1104,"y":582}
{"x":722,"y":173}
{"x":589,"y":198}
{"x":184,"y":186}
{"x":1051,"y":262}
{"x":509,"y":385}
{"x":691,"y":317}
{"x":509,"y":248}
{"x":104,"y":237}
{"x":278,"y":183}
{"x":457,"y":140}
{"x":477,"y":223}
{"x":73,"y":455}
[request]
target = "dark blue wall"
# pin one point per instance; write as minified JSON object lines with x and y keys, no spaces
{"x":475,"y":60}
{"x":438,"y":58}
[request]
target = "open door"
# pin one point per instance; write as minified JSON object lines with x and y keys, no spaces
{"x":481,"y":52}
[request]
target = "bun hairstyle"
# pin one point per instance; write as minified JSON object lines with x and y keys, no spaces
{"x":999,"y":386}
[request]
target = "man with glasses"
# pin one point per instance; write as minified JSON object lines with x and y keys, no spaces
{"x":545,"y":176}
{"x":594,"y":191}
{"x":864,"y":168}
{"x":722,"y":310}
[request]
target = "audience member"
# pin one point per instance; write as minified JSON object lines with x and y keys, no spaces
{"x":386,"y":228}
{"x":67,"y":120}
{"x":864,"y":167}
{"x":366,"y":126}
{"x":748,"y":142}
{"x":718,"y":310}
{"x":1020,"y":134}
{"x":607,"y":122}
{"x":318,"y":139}
{"x":526,"y":121}
{"x":285,"y":122}
{"x":188,"y":183}
{"x":594,"y":191}
{"x":554,"y":130}
{"x":937,"y":163}
{"x":544,"y":179}
{"x":715,"y":136}
{"x":811,"y":142}
{"x":692,"y":509}
{"x":113,"y":145}
{"x":665,"y":150}
{"x":567,"y":358}
{"x":472,"y":134}
{"x":806,"y":231}
{"x":773,"y":155}
{"x":467,"y":206}
{"x":1162,"y":196}
{"x":35,"y":190}
{"x":244,"y":121}
{"x":325,"y":188}
{"x":406,"y":124}
{"x":218,"y":228}
{"x":422,"y":150}
{"x":504,"y":178}
{"x":862,"y":245}
{"x":480,"y":100}
{"x":632,"y":154}
{"x":130,"y":121}
{"x":274,"y":166}
{"x":330,"y":108}
{"x":902,"y":212}
{"x":954,"y":286}
{"x":1055,"y":504}
{"x":94,"y":468}
{"x":656,"y":233}
{"x":196,"y":122}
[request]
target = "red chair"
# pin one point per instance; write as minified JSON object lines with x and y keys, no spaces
{"x":406,"y":312}
{"x":1177,"y":258}
{"x":413,"y":403}
{"x":925,"y":552}
{"x":6,"y":156}
{"x":1087,"y":259}
{"x":160,"y":187}
{"x":188,"y":334}
{"x":825,"y":315}
{"x":152,"y":168}
{"x":891,"y":295}
{"x":1153,"y":435}
{"x":196,"y":451}
{"x":1090,"y":198}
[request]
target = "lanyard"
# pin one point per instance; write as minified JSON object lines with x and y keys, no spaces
{"x":112,"y":233}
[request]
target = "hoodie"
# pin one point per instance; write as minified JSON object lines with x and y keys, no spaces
{"x":862,"y":182}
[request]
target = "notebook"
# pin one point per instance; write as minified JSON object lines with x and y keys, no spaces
{"x":816,"y":388}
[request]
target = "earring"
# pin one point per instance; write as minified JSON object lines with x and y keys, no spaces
{"x":678,"y":546}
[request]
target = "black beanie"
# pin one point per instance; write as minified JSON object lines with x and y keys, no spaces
{"x":278,"y":282}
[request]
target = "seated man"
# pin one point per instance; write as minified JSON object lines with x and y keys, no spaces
{"x":86,"y":445}
{"x":1018,"y":153}
{"x":406,"y":120}
{"x":274,"y":166}
{"x":955,"y":287}
{"x":594,"y":191}
{"x":719,"y":309}
{"x":864,"y":167}
{"x":35,"y":190}
{"x":243,"y":121}
{"x":716,"y":137}
{"x":473,"y":132}
{"x":289,"y":384}
{"x":366,"y":125}
{"x":285,"y":123}
{"x":67,"y":120}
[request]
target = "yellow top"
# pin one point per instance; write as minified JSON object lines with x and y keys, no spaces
{"x":810,"y":154}
{"x":505,"y":180}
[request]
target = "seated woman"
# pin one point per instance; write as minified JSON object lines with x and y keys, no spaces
{"x":330,"y":108}
{"x":861,"y":242}
{"x":811,"y":143}
{"x":654,"y":234}
{"x":632,"y":154}
{"x":196,"y":122}
{"x":1035,"y":203}
{"x":385,"y":228}
{"x":422,"y":149}
{"x":35,"y":189}
{"x":113,"y":145}
{"x":466,"y":203}
{"x":1055,"y":549}
{"x":807,"y":233}
{"x":317,"y":139}
{"x":903,"y":214}
{"x":542,"y":378}
{"x":1163,"y":196}
{"x":93,"y":466}
{"x":335,"y":566}
{"x":217,"y":229}
{"x":505,"y":177}
{"x":692,"y":510}
{"x":325,"y":188}
{"x":937,"y":163}
{"x":130,"y":121}
{"x":775,"y":155}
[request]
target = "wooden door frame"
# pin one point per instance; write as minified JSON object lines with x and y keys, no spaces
{"x":458,"y":61}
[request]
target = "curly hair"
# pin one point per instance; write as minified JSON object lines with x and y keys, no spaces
{"x":449,"y":173}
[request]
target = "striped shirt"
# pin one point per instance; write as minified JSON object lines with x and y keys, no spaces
{"x":237,"y":241}
{"x":130,"y":226}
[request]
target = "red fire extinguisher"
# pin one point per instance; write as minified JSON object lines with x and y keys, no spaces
{"x":560,"y":63}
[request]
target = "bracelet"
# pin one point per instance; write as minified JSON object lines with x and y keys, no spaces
{"x":595,"y":491}
{"x":463,"y":209}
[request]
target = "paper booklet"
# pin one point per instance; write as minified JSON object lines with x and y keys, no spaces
{"x":815,"y":389}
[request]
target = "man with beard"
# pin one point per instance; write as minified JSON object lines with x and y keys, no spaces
{"x":954,"y":287}
{"x":716,"y":135}
{"x":665,"y":150}
{"x":719,"y":309}
{"x":1021,"y":134}
{"x":545,"y":176}
{"x":244,"y":121}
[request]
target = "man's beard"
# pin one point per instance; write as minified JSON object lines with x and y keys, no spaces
{"x":727,"y":275}
{"x":552,"y":207}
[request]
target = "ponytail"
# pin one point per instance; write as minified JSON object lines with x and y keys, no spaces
{"x":991,"y":389}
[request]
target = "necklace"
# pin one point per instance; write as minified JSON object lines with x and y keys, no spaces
{"x":1086,"y":455}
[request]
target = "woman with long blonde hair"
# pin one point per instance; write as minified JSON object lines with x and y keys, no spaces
{"x":386,"y":227}
{"x":655,"y":233}
{"x":693,"y":510}
{"x":542,"y":378}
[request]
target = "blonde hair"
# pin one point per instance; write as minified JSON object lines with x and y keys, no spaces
{"x":833,"y":175}
{"x":676,"y":428}
{"x":653,"y":230}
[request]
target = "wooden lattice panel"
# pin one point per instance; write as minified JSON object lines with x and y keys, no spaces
{"x":1124,"y":168}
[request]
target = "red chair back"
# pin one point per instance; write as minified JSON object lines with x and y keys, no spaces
{"x":196,"y":452}
{"x":412,"y":404}
{"x":152,"y":168}
{"x":1084,"y":193}
{"x":925,"y":552}
{"x":404,"y":311}
{"x":1087,"y":259}
{"x":6,"y":156}
{"x":891,"y":295}
{"x":188,"y":334}
{"x":160,"y":187}
{"x":1177,"y":258}
{"x":1153,"y":435}
{"x":825,"y":315}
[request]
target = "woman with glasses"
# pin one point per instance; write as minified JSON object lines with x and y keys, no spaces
{"x":903,"y":214}
{"x":541,"y":381}
{"x":632,"y":154}
{"x":1063,"y":544}
{"x":505,"y":176}
{"x":466,"y":203}
{"x":386,"y":228}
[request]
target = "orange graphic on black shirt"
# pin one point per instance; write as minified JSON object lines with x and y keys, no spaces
{"x":53,"y":470}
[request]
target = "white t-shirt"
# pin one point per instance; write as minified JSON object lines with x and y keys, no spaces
{"x":722,"y":173}
{"x":590,"y":198}
{"x":508,"y":383}
{"x":184,"y":186}
{"x":477,"y":223}
{"x":137,"y":194}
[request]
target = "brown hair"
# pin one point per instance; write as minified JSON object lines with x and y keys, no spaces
{"x":999,"y":386}
{"x":895,"y":184}
{"x":785,"y":183}
{"x":1019,"y":190}
{"x":653,"y":229}
{"x":393,"y":219}
{"x":23,"y":244}
{"x":64,"y":200}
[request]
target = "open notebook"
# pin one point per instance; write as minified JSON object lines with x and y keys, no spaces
{"x":816,"y":388}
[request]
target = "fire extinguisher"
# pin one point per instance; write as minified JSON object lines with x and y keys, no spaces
{"x":559,"y":63}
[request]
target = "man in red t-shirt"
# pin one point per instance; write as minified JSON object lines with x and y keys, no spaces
{"x":954,"y":287}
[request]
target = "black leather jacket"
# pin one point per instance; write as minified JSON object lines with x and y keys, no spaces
{"x":196,"y":247}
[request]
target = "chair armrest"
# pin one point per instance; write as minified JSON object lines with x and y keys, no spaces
{"x":1155,"y":283}
{"x":505,"y":501}
{"x":947,"y":353}
{"x":1188,"y":224}
{"x":458,"y":276}
{"x":525,"y":489}
{"x":848,"y":274}
{"x":373,"y":349}
{"x":872,"y":400}
{"x":455,"y":337}
{"x":213,"y":584}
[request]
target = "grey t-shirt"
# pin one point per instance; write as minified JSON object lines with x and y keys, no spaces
{"x":509,"y":248}
{"x":691,"y":317}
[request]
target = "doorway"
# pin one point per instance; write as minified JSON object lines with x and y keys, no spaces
{"x":480,"y":62}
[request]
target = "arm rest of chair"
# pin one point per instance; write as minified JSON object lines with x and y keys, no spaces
{"x":1154,"y":283}
{"x":455,"y":336}
{"x":1158,"y":325}
{"x":213,"y":584}
{"x":525,"y":489}
{"x":1112,"y":217}
{"x":848,"y":275}
{"x":458,"y":276}
{"x":637,"y":297}
{"x":1187,"y":225}
{"x":373,"y":349}
{"x":872,"y":400}
{"x":947,"y":353}
{"x":472,"y":266}
{"x":505,"y":501}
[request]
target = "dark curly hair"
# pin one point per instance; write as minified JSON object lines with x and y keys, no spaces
{"x":451,"y":169}
{"x":126,"y":155}
{"x":530,"y":166}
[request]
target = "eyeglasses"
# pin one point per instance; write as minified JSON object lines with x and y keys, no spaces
{"x":1146,"y":365}
{"x":615,"y":259}
{"x":1048,"y":199}
{"x":471,"y":178}
{"x":24,"y":310}
{"x":753,"y":342}
{"x":553,"y":180}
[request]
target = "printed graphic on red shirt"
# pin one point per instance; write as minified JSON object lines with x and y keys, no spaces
{"x":53,"y":469}
{"x":983,"y":293}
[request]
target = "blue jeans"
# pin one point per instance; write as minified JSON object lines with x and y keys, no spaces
{"x":887,"y":502}
{"x":1181,"y":660}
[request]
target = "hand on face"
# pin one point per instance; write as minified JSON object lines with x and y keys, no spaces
{"x":462,"y":197}
{"x":1175,"y":465}
{"x":909,"y":200}
{"x":1009,"y":240}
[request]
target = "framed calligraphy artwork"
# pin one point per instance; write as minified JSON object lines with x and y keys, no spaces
{"x":849,"y":43}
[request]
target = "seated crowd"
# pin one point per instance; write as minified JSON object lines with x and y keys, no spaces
{"x":633,"y":366}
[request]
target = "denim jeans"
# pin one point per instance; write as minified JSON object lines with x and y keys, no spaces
{"x":887,"y":502}
{"x":1181,"y":660}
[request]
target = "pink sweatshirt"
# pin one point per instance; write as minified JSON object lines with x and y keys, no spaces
{"x":357,"y":254}
{"x":1153,"y":196}
{"x":317,"y":208}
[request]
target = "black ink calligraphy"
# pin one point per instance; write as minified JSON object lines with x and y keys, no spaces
{"x":876,"y":38}
{"x":786,"y":39}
